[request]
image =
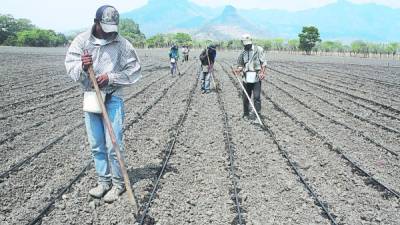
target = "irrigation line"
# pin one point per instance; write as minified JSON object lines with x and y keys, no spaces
{"x":371,"y":180}
{"x":348,"y":112}
{"x":397,"y":111}
{"x":293,"y":166}
{"x":169,"y":149}
{"x":16,"y":166}
{"x":360,"y":133}
{"x":49,"y":206}
{"x":230,"y":149}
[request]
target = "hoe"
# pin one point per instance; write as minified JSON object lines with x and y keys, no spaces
{"x":113,"y":139}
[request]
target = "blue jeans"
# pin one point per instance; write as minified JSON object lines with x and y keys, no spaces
{"x":104,"y":156}
{"x":205,"y":78}
{"x":173,"y":68}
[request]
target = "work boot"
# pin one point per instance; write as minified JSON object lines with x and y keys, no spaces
{"x":113,"y":195}
{"x":99,"y":191}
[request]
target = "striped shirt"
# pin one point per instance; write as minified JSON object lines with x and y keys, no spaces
{"x":252,"y":60}
{"x":115,"y":57}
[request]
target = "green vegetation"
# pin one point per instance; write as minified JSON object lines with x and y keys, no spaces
{"x":21,"y":32}
{"x":130,"y":30}
{"x":308,"y":39}
{"x":39,"y":38}
{"x":166,"y":40}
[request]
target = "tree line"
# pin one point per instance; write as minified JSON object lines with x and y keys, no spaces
{"x":309,"y":42}
{"x":21,"y":32}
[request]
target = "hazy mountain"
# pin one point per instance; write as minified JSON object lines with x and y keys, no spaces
{"x":159,"y":16}
{"x":228,"y":25}
{"x":342,"y":20}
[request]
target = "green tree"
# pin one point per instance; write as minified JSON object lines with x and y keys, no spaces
{"x":392,"y":48}
{"x":156,"y":41}
{"x":277,"y":44}
{"x":308,"y":38}
{"x":264,"y":43}
{"x":130,"y":30}
{"x":183,"y":39}
{"x":9,"y":27}
{"x":359,"y":47}
{"x":293,"y":45}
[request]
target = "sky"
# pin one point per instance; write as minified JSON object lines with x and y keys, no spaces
{"x":68,"y":15}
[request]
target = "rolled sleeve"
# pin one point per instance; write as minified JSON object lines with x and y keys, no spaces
{"x":263,"y":57}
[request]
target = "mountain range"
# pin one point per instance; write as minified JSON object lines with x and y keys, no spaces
{"x":341,"y":20}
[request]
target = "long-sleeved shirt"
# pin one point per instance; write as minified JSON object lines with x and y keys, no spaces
{"x":174,"y":53}
{"x":115,"y":57}
{"x":252,"y":60}
{"x":211,"y":55}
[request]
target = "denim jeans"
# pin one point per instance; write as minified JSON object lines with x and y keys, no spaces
{"x":104,"y":156}
{"x":205,"y":78}
{"x":173,"y":68}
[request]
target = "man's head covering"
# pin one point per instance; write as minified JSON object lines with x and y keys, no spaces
{"x":108,"y":17}
{"x":212,"y":46}
{"x":246,"y":39}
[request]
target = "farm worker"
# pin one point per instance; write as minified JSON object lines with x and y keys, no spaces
{"x":185,"y":52}
{"x":252,"y":63}
{"x":207,"y":59}
{"x":173,"y":58}
{"x":116,"y":65}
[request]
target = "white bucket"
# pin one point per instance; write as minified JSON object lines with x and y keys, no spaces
{"x":90,"y":102}
{"x":173,"y":60}
{"x":251,"y":77}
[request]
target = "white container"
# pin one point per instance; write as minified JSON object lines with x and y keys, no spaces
{"x":251,"y":77}
{"x":173,"y":60}
{"x":90,"y":102}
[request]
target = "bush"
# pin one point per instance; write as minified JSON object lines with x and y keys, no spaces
{"x":40,"y":38}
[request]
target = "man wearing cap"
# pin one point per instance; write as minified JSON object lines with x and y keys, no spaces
{"x":116,"y":65}
{"x":252,"y":62}
{"x":207,"y":59}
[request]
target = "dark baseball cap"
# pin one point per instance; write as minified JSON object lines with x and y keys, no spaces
{"x":108,"y":17}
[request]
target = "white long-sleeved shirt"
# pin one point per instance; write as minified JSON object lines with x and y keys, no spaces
{"x":116,"y":57}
